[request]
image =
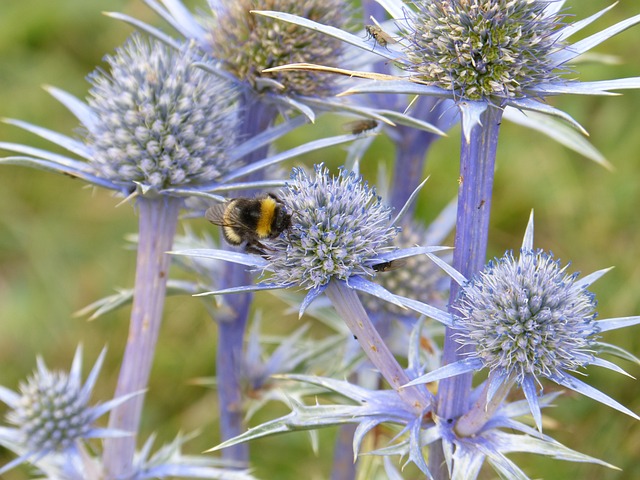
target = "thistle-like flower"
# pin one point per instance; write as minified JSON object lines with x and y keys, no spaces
{"x":481,"y":53}
{"x":153,"y":125}
{"x":340,"y":228}
{"x":527,"y":319}
{"x":528,"y":316}
{"x":159,"y":122}
{"x":340,"y":234}
{"x":51,"y":414}
{"x":340,"y":231}
{"x":482,"y":49}
{"x":247,"y":44}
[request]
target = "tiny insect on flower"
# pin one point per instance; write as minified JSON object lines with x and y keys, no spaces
{"x":378,"y":35}
{"x":360,"y":126}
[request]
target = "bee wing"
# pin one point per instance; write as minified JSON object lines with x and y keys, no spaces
{"x":215,"y":214}
{"x":224,"y":215}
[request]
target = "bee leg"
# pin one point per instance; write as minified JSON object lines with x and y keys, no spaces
{"x":256,"y":248}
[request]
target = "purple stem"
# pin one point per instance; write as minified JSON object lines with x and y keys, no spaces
{"x":412,"y":144}
{"x":344,"y":468}
{"x":477,"y":165}
{"x":346,"y":302}
{"x":231,"y":329}
{"x":158,"y":218}
{"x":256,"y":117}
{"x":412,"y":147}
{"x":483,"y":409}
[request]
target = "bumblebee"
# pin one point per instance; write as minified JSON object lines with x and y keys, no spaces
{"x":250,"y":220}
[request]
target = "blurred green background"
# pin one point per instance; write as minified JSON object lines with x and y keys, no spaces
{"x":62,"y":244}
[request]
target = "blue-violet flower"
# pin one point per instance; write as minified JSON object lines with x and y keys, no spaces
{"x":480,"y":53}
{"x":526,"y":319}
{"x":51,"y":414}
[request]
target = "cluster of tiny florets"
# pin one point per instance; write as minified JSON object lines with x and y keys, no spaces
{"x":527,"y":316}
{"x":482,"y":49}
{"x":339,"y":226}
{"x":160,"y":121}
{"x":52,"y":412}
{"x":249,"y":43}
{"x":401,"y":278}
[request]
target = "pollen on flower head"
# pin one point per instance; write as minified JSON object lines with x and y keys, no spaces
{"x":160,"y":121}
{"x":482,"y":49}
{"x":52,"y":412}
{"x":527,"y":316}
{"x":249,"y":43}
{"x":339,"y":226}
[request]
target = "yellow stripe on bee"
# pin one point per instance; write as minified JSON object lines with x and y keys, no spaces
{"x":267,"y":214}
{"x":228,"y":224}
{"x":232,"y":237}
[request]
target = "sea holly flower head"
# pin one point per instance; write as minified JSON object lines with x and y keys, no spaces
{"x":527,"y":316}
{"x":159,"y":122}
{"x":525,"y":320}
{"x":247,"y":44}
{"x":339,"y":227}
{"x":479,"y":53}
{"x":481,"y":49}
{"x":51,"y":413}
{"x":153,"y":125}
